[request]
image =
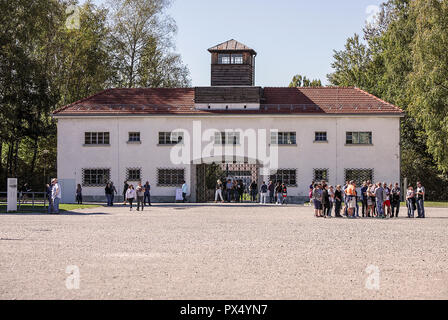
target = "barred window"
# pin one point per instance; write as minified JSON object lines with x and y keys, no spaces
{"x":320,"y":136}
{"x":134,"y":136}
{"x":96,"y":138}
{"x":286,"y":176}
{"x":320,"y":174}
{"x":170,"y":138}
{"x":358,"y":138}
{"x":358,"y":175}
{"x":226,"y":138}
{"x":95,"y":177}
{"x":170,"y":177}
{"x":283,"y":138}
{"x":133,"y":174}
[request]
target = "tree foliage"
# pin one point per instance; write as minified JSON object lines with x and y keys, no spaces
{"x":302,"y":81}
{"x":402,"y":59}
{"x":47,"y":62}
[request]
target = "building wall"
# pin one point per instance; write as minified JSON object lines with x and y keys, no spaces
{"x":383,"y":155}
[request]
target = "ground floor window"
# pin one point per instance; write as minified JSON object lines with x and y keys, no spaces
{"x":95,"y":177}
{"x":133,"y":174}
{"x":359,"y":175}
{"x":286,"y":176}
{"x":170,"y":177}
{"x":320,"y":174}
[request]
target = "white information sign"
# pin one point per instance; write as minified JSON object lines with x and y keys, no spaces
{"x":12,"y":194}
{"x":179,"y":195}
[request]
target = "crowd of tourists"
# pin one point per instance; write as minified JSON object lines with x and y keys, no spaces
{"x":234,"y":190}
{"x":380,"y":200}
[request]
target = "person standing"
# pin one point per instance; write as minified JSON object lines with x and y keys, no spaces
{"x":79,"y":194}
{"x":254,"y":191}
{"x":284,"y":194}
{"x":344,"y":194}
{"x":140,"y":193}
{"x":218,"y":191}
{"x":125,"y":188}
{"x":48,"y":190}
{"x":130,"y":195}
{"x":278,"y":191}
{"x":420,"y":197}
{"x":317,"y":200}
{"x":56,"y":195}
{"x":184,"y":191}
{"x":386,"y":197}
{"x":271,"y":189}
{"x":364,"y":198}
{"x":113,"y":191}
{"x":240,"y":190}
{"x":338,"y":201}
{"x":108,"y":192}
{"x":379,"y":198}
{"x":351,"y":199}
{"x":263,"y":193}
{"x":147,"y":195}
{"x":229,"y":186}
{"x":325,"y":200}
{"x":410,"y":202}
{"x":395,"y":203}
{"x":371,"y":194}
{"x":331,"y":193}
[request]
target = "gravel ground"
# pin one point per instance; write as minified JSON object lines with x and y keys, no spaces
{"x":221,"y":252}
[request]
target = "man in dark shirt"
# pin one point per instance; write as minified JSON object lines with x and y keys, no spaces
{"x":395,"y":200}
{"x":326,"y":201}
{"x":364,"y":198}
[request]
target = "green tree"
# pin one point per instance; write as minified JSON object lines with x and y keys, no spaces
{"x":302,"y":81}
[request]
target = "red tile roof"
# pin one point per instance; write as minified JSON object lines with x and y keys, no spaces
{"x":321,"y":100}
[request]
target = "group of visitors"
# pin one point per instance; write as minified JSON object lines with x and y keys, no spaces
{"x":380,"y":200}
{"x":142,"y":194}
{"x":54,"y":195}
{"x":234,"y":190}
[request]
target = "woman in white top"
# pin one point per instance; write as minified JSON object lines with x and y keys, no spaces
{"x":130,"y":195}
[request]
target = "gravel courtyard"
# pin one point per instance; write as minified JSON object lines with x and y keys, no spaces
{"x":222,"y":252}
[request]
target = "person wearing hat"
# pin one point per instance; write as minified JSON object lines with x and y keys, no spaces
{"x":56,"y":195}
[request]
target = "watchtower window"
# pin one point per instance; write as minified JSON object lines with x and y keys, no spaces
{"x":224,"y":58}
{"x":237,"y":59}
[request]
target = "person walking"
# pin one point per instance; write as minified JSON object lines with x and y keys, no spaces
{"x":271,"y":189}
{"x":56,"y":195}
{"x":254,"y":191}
{"x":263,"y":193}
{"x":410,"y":201}
{"x":140,"y":193}
{"x":130,"y":195}
{"x":184,"y":191}
{"x":147,"y":196}
{"x":420,"y":198}
{"x":395,"y":203}
{"x":79,"y":194}
{"x":338,"y":201}
{"x":218,"y":191}
{"x":125,"y":188}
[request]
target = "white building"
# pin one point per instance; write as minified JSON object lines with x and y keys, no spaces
{"x":165,"y":136}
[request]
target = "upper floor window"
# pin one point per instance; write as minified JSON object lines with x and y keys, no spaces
{"x":320,"y":136}
{"x":96,"y":138}
{"x":226,"y":58}
{"x":358,"y":138}
{"x":283,"y":138}
{"x":223,"y":138}
{"x":134,"y":136}
{"x":170,"y":138}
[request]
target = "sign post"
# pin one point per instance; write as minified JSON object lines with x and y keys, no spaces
{"x":12,"y":194}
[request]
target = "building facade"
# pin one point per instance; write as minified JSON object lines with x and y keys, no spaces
{"x":167,"y":136}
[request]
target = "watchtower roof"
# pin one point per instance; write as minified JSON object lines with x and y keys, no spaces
{"x":231,"y":45}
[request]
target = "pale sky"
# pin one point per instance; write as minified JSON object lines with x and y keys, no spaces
{"x":290,"y":36}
